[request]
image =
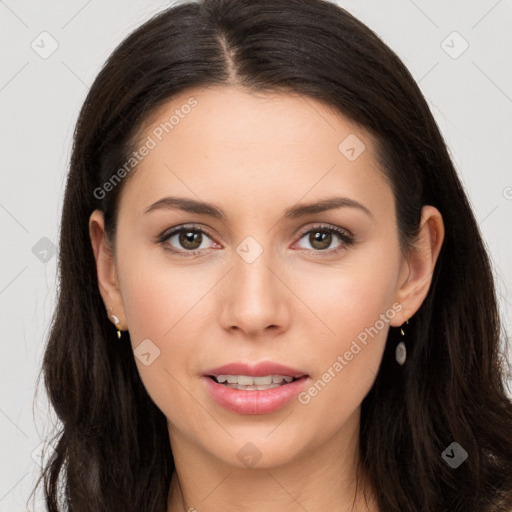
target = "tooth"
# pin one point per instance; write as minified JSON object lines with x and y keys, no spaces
{"x":247,"y":380}
{"x":280,"y":378}
{"x":262,"y":380}
{"x":266,"y":386}
{"x":252,"y":388}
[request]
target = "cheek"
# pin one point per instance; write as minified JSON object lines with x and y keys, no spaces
{"x":350,"y":295}
{"x":162,"y":306}
{"x":353,"y":305}
{"x":157,"y":297}
{"x":346,"y":363}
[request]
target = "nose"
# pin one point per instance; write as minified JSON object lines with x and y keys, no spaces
{"x":254,"y":297}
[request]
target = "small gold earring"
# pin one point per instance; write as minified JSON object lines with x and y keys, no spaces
{"x":116,"y":322}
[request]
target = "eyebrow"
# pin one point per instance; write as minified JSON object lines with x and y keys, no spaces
{"x":294,"y":212}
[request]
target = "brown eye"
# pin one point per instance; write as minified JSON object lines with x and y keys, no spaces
{"x":185,"y":240}
{"x":190,"y":239}
{"x":320,"y":240}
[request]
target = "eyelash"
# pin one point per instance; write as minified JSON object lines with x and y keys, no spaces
{"x":347,"y":239}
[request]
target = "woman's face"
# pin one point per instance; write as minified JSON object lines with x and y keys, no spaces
{"x":265,"y":281}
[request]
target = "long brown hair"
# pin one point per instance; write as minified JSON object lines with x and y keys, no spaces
{"x":112,"y":443}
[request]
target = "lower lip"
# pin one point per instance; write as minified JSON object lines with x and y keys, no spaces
{"x":254,"y":401}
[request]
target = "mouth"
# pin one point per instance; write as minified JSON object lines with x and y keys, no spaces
{"x":250,"y":383}
{"x":254,"y":394}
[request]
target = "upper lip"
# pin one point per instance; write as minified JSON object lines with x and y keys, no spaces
{"x":255,"y":370}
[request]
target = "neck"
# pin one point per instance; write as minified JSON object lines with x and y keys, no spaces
{"x":312,"y":480}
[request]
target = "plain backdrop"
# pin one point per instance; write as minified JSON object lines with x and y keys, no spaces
{"x":457,"y":51}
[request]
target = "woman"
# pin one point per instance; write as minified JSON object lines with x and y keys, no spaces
{"x":274,"y":293}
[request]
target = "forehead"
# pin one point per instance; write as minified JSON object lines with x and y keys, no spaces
{"x":248,"y":119}
{"x":220,"y":139}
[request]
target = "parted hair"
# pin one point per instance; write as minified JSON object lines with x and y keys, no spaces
{"x":112,"y":444}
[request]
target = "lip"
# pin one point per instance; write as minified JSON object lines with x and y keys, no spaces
{"x":254,"y":401}
{"x":258,"y":370}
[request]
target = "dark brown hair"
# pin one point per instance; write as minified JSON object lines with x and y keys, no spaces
{"x":112,"y":443}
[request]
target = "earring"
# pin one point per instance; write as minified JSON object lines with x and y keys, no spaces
{"x":401,"y":351}
{"x":116,"y":321}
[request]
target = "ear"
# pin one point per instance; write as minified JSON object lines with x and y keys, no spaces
{"x":418,"y":267}
{"x":106,"y":269}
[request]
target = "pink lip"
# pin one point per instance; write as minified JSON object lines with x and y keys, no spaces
{"x":257,"y":370}
{"x":255,"y":401}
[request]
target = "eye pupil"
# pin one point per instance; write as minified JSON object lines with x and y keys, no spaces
{"x":324,"y":238}
{"x":188,"y":238}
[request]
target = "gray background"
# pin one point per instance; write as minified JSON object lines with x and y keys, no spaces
{"x":40,"y":94}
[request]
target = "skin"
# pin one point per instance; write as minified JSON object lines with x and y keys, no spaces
{"x":255,"y":155}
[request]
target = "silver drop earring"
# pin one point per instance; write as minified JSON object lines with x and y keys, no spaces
{"x":401,"y":350}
